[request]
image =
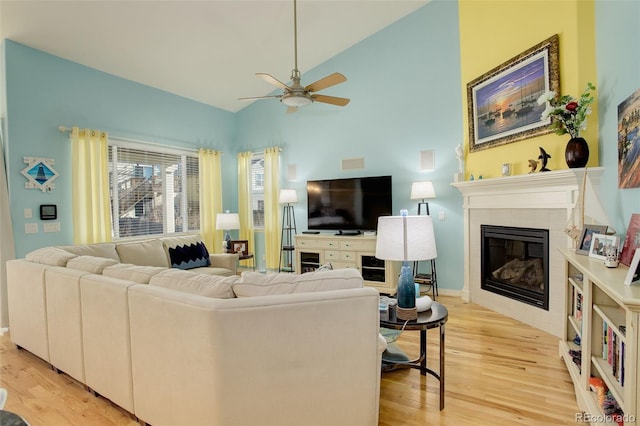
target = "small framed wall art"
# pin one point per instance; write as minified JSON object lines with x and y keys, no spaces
{"x":40,"y":173}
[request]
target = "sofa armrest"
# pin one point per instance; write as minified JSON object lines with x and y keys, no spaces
{"x":382,"y":343}
{"x":225,"y":260}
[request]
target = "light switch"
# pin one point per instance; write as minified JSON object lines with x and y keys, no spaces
{"x":441,"y":215}
{"x":31,"y":228}
{"x":28,"y":214}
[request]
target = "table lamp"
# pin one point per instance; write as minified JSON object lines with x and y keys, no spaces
{"x":226,"y":222}
{"x":422,"y":190}
{"x":406,"y":238}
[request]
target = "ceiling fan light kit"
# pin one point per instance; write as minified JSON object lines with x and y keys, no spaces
{"x":296,"y":95}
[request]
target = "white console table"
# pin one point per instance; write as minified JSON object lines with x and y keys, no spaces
{"x":358,"y":251}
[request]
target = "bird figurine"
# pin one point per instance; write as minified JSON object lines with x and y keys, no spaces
{"x":533,"y":165}
{"x":544,"y":157}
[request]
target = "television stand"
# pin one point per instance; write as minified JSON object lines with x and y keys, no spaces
{"x":347,"y":233}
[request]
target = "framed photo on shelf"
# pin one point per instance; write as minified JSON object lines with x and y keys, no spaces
{"x":631,"y":241}
{"x":502,"y":103}
{"x":586,"y":237}
{"x":602,"y":244}
{"x":240,"y":247}
{"x":634,"y":269}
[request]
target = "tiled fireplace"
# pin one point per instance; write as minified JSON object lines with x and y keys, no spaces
{"x":539,"y":200}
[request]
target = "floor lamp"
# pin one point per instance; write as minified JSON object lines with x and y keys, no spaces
{"x":422,"y":191}
{"x":287,"y":247}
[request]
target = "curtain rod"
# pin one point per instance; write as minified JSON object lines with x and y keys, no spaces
{"x":65,"y":129}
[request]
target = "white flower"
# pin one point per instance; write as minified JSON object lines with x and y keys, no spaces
{"x":546,"y":113}
{"x":546,"y":96}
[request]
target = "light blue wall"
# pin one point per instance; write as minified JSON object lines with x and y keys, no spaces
{"x":618,"y":64}
{"x":404,"y":86}
{"x":45,"y":91}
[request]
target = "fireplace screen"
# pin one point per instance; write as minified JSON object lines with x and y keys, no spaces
{"x":515,"y":263}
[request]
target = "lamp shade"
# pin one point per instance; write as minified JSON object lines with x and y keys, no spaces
{"x":406,"y":238}
{"x":288,"y":196}
{"x":422,"y":190}
{"x":227,"y":221}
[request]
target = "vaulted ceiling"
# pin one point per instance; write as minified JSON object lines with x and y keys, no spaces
{"x":204,"y":50}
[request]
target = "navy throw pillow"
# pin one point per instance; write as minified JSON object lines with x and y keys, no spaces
{"x":190,"y":256}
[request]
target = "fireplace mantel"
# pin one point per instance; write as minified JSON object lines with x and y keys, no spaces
{"x":555,"y":189}
{"x":538,"y":200}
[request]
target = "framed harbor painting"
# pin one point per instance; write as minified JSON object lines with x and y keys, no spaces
{"x":502,"y":103}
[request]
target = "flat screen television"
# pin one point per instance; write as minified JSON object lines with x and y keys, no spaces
{"x":350,"y":204}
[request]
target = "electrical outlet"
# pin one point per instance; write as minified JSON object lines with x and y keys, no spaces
{"x":441,"y":215}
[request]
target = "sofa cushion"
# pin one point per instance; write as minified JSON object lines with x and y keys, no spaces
{"x":91,"y":264}
{"x":50,"y":256}
{"x":143,"y":253}
{"x":209,"y":270}
{"x":107,"y":250}
{"x":135,"y":273}
{"x":200,"y":284}
{"x":257,"y":284}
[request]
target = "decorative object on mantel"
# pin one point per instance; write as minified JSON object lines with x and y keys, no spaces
{"x":458,"y":177}
{"x":39,"y":173}
{"x":587,"y":204}
{"x":533,"y":165}
{"x":543,"y":157}
{"x":569,"y":116}
{"x":629,"y":142}
{"x":506,"y":169}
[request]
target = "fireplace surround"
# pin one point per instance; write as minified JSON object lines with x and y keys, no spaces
{"x":538,"y":200}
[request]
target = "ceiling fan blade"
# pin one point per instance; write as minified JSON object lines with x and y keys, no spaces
{"x":333,"y":100}
{"x":328,"y":81}
{"x":259,"y":97}
{"x":272,"y":80}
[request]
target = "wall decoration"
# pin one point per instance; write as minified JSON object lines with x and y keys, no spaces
{"x":631,"y":240}
{"x":602,"y":245}
{"x":40,"y":173}
{"x":629,"y":142}
{"x":502,"y":104}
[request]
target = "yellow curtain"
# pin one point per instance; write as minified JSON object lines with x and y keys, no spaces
{"x":244,"y":202}
{"x":210,"y":198}
{"x":272,"y":223}
{"x":90,"y":186}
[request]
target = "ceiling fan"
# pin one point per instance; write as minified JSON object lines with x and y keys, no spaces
{"x":297,"y":95}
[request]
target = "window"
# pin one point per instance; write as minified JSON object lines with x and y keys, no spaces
{"x":257,"y":190}
{"x":153,"y":192}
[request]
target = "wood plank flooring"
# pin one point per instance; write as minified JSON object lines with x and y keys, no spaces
{"x":498,"y":372}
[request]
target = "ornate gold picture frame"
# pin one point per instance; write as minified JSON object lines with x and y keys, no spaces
{"x":502,"y":103}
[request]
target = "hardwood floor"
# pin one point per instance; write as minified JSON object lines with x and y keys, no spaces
{"x":498,"y":372}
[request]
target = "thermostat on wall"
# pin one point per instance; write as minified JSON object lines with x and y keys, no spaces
{"x":48,"y":212}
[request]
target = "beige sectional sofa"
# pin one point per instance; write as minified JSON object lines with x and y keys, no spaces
{"x":202,"y":346}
